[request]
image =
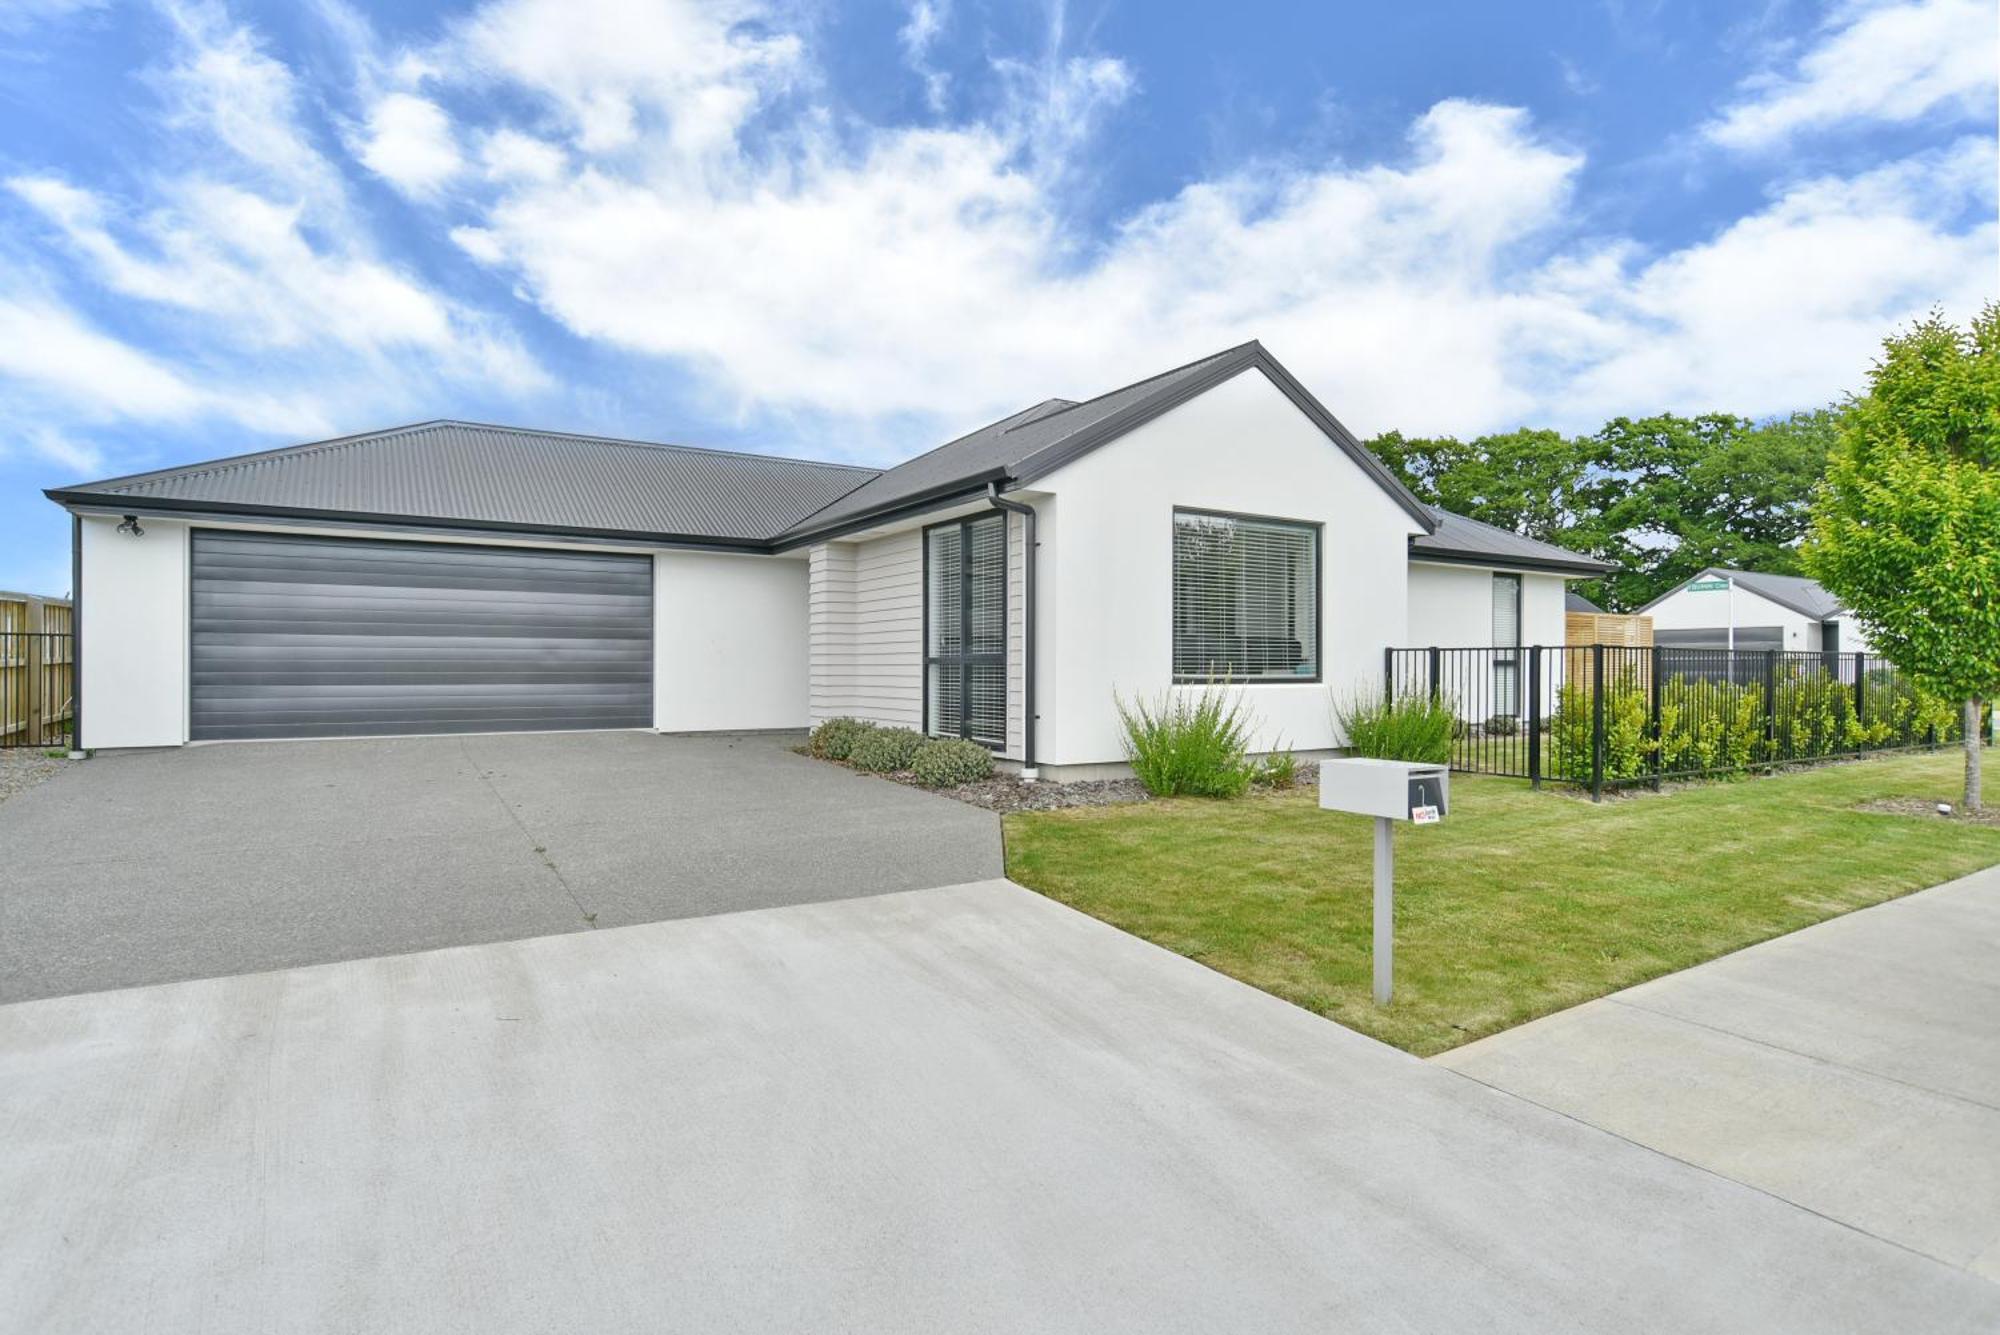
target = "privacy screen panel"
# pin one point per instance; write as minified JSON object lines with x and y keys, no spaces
{"x":343,"y":637}
{"x":965,"y":640}
{"x":1246,"y":598}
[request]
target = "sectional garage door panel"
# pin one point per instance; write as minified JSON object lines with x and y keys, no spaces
{"x":346,"y":637}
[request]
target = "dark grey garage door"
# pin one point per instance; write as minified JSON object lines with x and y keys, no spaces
{"x":343,"y":637}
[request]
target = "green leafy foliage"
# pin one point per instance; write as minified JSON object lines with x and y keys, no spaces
{"x":1193,"y":743}
{"x":884,"y":750}
{"x":835,"y":738}
{"x":1412,"y":727}
{"x":1906,"y":528}
{"x":946,"y":763}
{"x":1717,"y":727}
{"x":1280,"y":770}
{"x":1662,"y":497}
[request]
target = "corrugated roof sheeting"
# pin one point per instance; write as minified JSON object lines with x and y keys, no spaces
{"x":465,"y":472}
{"x":1459,"y":536}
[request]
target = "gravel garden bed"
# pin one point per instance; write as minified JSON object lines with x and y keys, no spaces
{"x":1919,"y":806}
{"x":24,"y":768}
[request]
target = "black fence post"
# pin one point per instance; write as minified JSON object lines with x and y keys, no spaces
{"x":1597,"y":723}
{"x":1433,"y":666}
{"x":1653,"y":714}
{"x":1860,"y":701}
{"x":1770,"y":704}
{"x":1535,"y":716}
{"x":1388,"y":676}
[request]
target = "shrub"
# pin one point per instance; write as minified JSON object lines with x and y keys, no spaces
{"x":1281,"y":770}
{"x":835,"y":738}
{"x":1187,"y":743}
{"x":946,"y":764}
{"x":884,"y":749}
{"x":1414,"y":728}
{"x":1501,"y":725}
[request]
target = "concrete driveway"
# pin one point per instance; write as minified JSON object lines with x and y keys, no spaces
{"x":965,"y":1109}
{"x":1852,"y":1068}
{"x":210,"y":860}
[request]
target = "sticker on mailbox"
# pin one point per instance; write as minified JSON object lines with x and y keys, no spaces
{"x":1424,"y":815}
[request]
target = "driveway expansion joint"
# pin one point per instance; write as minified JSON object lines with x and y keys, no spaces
{"x":539,"y":849}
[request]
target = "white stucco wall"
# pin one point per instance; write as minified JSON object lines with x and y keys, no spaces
{"x":1107,"y":566}
{"x":134,"y":633}
{"x":729,"y":642}
{"x":1451,"y":606}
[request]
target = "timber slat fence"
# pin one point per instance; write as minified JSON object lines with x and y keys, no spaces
{"x":1608,"y":716}
{"x":37,"y":676}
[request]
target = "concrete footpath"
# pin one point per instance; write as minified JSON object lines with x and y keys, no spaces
{"x":967,"y":1109}
{"x":1852,"y":1068}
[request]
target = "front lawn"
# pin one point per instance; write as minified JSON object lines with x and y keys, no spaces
{"x":1521,"y":903}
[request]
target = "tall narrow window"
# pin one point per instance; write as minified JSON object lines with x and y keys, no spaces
{"x":1246,"y":598}
{"x":1507,"y":644}
{"x":965,"y":638}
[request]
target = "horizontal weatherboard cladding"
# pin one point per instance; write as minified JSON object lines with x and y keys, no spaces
{"x":331,"y":637}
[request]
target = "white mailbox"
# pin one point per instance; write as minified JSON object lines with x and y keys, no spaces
{"x":1390,"y":791}
{"x":1386,"y":789}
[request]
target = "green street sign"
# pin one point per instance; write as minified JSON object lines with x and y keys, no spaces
{"x":1704,"y":585}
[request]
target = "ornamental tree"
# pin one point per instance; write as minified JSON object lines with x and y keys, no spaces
{"x":1906,"y":526}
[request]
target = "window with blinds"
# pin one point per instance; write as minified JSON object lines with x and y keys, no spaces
{"x":965,"y":637}
{"x":1506,"y":635}
{"x":1246,"y":598}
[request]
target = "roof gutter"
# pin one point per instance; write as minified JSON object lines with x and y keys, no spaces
{"x":1028,"y":563}
{"x":1581,"y":569}
{"x":83,"y":503}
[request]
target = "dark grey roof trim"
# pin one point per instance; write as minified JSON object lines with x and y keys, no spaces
{"x":1494,"y":561}
{"x":958,"y":491}
{"x":1177,"y":388}
{"x":166,"y":507}
{"x":1227,"y":367}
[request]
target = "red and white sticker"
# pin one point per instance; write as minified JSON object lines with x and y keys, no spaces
{"x":1423,"y":815}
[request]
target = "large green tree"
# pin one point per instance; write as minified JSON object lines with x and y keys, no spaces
{"x":1906,"y":526}
{"x":1662,"y":497}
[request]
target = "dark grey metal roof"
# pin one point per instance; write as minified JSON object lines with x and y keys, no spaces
{"x":468,"y":474}
{"x":1807,"y":597}
{"x":1475,"y":542}
{"x":1036,"y":441}
{"x":1576,"y":602}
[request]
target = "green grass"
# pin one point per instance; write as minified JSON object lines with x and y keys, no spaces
{"x":1519,"y":904}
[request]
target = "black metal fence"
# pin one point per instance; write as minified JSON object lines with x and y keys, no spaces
{"x":1608,"y":716}
{"x":37,"y":688}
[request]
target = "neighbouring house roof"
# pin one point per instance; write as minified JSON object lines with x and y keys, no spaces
{"x":1576,"y":602}
{"x":1464,"y":541}
{"x":1808,"y":597}
{"x":469,"y":475}
{"x":473,"y":476}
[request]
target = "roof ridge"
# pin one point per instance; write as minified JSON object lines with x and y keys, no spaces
{"x":631,"y":442}
{"x":1146,"y":380}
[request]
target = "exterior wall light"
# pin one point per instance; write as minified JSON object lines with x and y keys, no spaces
{"x":131,"y":525}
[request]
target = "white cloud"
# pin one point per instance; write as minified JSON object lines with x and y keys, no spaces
{"x":509,"y":155}
{"x":1895,"y":62}
{"x":408,"y":142}
{"x":917,"y":35}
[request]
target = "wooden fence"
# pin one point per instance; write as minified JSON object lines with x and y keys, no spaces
{"x":37,"y":674}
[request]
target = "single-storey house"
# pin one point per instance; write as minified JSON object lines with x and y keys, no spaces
{"x":1211,"y":522}
{"x":1754,"y":611}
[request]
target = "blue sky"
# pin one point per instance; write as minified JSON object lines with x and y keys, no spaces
{"x":850,"y":230}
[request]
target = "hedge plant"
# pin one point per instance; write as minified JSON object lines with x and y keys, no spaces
{"x":835,"y":738}
{"x":948,"y":763}
{"x":1188,"y":743}
{"x":884,"y":750}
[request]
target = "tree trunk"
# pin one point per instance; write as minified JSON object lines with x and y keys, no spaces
{"x":1972,"y":750}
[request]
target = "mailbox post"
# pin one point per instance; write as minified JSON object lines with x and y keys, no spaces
{"x":1390,"y":791}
